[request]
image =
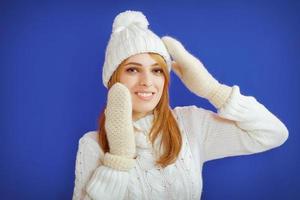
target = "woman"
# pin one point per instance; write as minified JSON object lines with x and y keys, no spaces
{"x":146,"y":150}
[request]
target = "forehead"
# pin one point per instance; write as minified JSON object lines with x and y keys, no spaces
{"x":143,"y":58}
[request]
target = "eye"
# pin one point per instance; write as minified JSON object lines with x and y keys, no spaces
{"x":158,"y":71}
{"x":131,"y":70}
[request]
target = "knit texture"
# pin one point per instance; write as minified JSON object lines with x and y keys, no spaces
{"x":206,"y":136}
{"x":119,"y":129}
{"x":118,"y":162}
{"x":194,"y":75}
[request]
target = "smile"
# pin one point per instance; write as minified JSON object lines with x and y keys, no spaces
{"x":146,"y":96}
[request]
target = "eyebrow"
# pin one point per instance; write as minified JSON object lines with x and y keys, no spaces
{"x":138,"y":64}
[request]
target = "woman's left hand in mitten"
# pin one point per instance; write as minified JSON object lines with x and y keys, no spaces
{"x":194,"y":75}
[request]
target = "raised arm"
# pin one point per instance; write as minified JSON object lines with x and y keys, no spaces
{"x":242,"y":125}
{"x":106,"y":176}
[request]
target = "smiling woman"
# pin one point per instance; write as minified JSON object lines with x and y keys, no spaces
{"x":144,"y":149}
{"x":145,"y":80}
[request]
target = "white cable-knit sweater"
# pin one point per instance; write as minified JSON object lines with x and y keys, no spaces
{"x":242,"y":126}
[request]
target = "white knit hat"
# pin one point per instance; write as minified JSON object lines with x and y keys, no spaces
{"x":130,"y":36}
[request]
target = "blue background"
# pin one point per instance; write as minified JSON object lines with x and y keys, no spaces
{"x":51,"y":56}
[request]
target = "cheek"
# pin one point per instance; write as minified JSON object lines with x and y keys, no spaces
{"x":160,"y":86}
{"x":127,"y":81}
{"x":160,"y":83}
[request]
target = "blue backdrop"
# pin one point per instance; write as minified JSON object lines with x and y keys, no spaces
{"x":51,"y":56}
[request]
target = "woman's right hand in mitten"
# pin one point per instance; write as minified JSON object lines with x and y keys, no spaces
{"x":119,"y":129}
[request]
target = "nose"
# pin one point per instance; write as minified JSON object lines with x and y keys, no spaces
{"x":146,"y":79}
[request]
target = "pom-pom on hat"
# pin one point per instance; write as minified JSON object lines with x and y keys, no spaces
{"x":130,"y":35}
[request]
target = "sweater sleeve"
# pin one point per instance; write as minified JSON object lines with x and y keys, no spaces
{"x":93,"y":180}
{"x":242,"y":126}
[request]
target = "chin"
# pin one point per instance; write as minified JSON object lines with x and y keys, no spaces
{"x":144,"y":109}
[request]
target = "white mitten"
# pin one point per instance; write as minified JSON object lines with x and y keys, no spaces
{"x":119,"y":129}
{"x":194,"y":75}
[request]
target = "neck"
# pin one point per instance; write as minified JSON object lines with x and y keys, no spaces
{"x":136,"y":115}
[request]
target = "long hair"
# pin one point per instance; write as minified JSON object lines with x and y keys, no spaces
{"x":164,"y":123}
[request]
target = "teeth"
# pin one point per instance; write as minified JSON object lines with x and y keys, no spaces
{"x":144,"y":94}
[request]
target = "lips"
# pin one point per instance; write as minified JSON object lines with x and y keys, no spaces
{"x":145,"y":95}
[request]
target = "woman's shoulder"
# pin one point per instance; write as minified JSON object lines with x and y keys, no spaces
{"x":190,"y":111}
{"x":90,"y":135}
{"x":193,"y":116}
{"x":90,"y":142}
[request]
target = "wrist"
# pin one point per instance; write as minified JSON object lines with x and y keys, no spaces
{"x":117,"y":162}
{"x":220,"y":96}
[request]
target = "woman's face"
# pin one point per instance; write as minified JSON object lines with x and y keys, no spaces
{"x":145,"y":80}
